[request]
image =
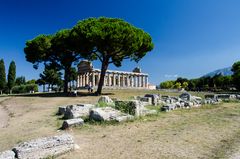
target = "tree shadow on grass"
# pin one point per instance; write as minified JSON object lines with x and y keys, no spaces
{"x":60,"y":94}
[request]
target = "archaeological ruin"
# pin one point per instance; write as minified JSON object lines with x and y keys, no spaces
{"x":88,"y":75}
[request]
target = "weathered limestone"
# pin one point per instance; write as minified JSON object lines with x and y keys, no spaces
{"x":105,"y":99}
{"x":44,"y":147}
{"x":108,"y":114}
{"x":154,"y":97}
{"x":7,"y":155}
{"x":72,"y":122}
{"x":76,"y":111}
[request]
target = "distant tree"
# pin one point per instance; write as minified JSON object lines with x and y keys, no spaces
{"x":236,"y":74}
{"x":185,"y":85}
{"x":20,"y":81}
{"x":167,"y":84}
{"x":110,"y":40}
{"x":32,"y":81}
{"x":55,"y":50}
{"x":11,"y":76}
{"x":51,"y":77}
{"x":181,"y":80}
{"x":2,"y":76}
{"x":177,"y":85}
{"x":42,"y":82}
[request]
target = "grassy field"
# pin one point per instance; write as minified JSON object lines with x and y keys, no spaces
{"x":206,"y":132}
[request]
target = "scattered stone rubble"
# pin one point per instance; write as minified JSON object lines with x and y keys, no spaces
{"x":41,"y":148}
{"x":119,"y":110}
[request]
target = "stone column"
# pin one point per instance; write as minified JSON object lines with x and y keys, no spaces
{"x":147,"y":81}
{"x":127,"y":78}
{"x":119,"y":82}
{"x":140,"y":81}
{"x":131,"y":80}
{"x":83,"y":80}
{"x":109,"y":79}
{"x":143,"y":81}
{"x":123,"y":80}
{"x":87,"y":78}
{"x":93,"y":79}
{"x":78,"y":81}
{"x":113,"y":80}
{"x":136,"y":81}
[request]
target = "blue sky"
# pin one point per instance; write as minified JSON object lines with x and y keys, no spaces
{"x":191,"y":37}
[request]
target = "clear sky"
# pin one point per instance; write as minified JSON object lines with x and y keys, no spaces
{"x":191,"y":37}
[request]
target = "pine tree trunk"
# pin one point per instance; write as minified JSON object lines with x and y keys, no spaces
{"x":66,"y":78}
{"x":102,"y":76}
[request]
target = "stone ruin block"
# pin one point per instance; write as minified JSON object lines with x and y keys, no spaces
{"x":105,"y":99}
{"x":44,"y":147}
{"x":146,"y":100}
{"x":108,"y":114}
{"x":61,"y":110}
{"x":77,"y":111}
{"x":168,"y":107}
{"x":7,"y":155}
{"x":72,"y":122}
{"x":186,"y":96}
{"x":155,"y":98}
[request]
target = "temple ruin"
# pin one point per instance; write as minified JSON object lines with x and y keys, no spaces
{"x":87,"y":75}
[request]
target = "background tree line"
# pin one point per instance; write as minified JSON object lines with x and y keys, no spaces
{"x":215,"y":83}
{"x":10,"y":84}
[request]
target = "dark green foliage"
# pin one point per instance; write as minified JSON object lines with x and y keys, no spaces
{"x":236,"y":74}
{"x":2,"y":76}
{"x":50,"y":76}
{"x":215,"y":83}
{"x":110,"y":40}
{"x":11,"y":75}
{"x":20,"y":81}
{"x":55,"y":51}
{"x":25,"y":88}
{"x":33,"y":81}
{"x":125,"y":106}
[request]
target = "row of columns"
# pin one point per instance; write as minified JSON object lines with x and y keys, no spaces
{"x":113,"y":80}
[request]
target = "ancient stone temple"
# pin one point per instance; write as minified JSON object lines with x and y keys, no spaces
{"x":87,"y":75}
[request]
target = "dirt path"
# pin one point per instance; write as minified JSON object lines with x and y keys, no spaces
{"x":4,"y":115}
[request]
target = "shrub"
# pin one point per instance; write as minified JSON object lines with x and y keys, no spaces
{"x":25,"y":88}
{"x":126,"y":106}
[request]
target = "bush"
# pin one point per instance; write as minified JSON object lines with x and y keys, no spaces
{"x":25,"y":88}
{"x":126,"y":107}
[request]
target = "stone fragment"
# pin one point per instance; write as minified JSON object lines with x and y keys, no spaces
{"x":105,"y":99}
{"x":146,"y":100}
{"x":44,"y":147}
{"x":7,"y":155}
{"x":108,"y":114}
{"x":77,"y":111}
{"x":154,"y":97}
{"x":72,"y":122}
{"x":61,"y":110}
{"x":168,"y":107}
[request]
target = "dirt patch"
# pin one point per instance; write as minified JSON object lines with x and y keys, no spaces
{"x":4,"y":113}
{"x":189,"y":133}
